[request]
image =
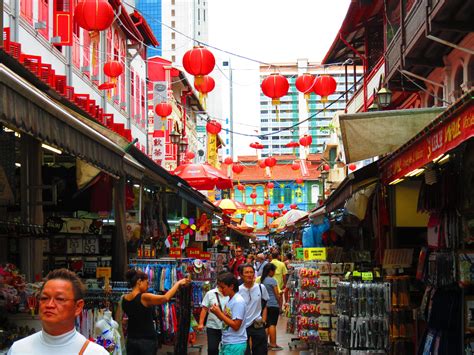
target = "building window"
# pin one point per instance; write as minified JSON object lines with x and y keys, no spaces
{"x":173,"y":24}
{"x":458,"y":81}
{"x":314,"y":193}
{"x":173,"y":13}
{"x":173,"y":35}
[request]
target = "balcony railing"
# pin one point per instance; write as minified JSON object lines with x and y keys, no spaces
{"x":414,"y":22}
{"x":393,"y":54}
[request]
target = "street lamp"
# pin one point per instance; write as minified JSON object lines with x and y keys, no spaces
{"x":174,"y":139}
{"x":182,"y":148}
{"x":384,"y":97}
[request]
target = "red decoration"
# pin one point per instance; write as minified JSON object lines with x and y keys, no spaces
{"x":284,"y":212}
{"x":228,"y":160}
{"x":253,"y":195}
{"x":352,"y":167}
{"x":190,"y":155}
{"x":275,"y":86}
{"x":306,"y":140}
{"x":270,"y":162}
{"x":276,"y":214}
{"x":240,"y":187}
{"x":293,"y":206}
{"x":94,"y":15}
{"x":255,"y":223}
{"x":206,"y":85}
{"x":326,"y":167}
{"x":198,"y":61}
{"x":295,"y":166}
{"x":213,"y":127}
{"x":261,"y":164}
{"x":107,"y":86}
{"x":260,"y":213}
{"x":163,"y":109}
{"x":281,"y":205}
{"x":304,"y":83}
{"x":113,"y":69}
{"x":237,"y":168}
{"x":270,"y":185}
{"x":269,"y":214}
{"x":324,"y":85}
{"x":253,"y":210}
{"x":267,"y":202}
{"x":299,"y":181}
{"x":292,"y":145}
{"x":256,"y":145}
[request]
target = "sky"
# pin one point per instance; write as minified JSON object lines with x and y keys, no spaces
{"x":273,"y":31}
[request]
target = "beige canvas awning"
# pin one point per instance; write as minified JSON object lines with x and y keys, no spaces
{"x":370,"y":134}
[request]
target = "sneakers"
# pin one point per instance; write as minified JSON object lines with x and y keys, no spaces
{"x":275,"y":348}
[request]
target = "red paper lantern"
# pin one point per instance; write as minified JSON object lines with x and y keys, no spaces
{"x":228,"y":160}
{"x":254,"y":210}
{"x":295,"y":166}
{"x":113,"y":69}
{"x":270,"y":185}
{"x":237,"y":168}
{"x":306,"y":140}
{"x":240,"y":187}
{"x":275,"y":86}
{"x":324,"y":85}
{"x":94,"y":15}
{"x":299,"y":181}
{"x":213,"y":127}
{"x":190,"y":155}
{"x":352,"y":167}
{"x":255,"y":223}
{"x":260,"y":213}
{"x":326,"y":167}
{"x":292,"y":145}
{"x":206,"y":85}
{"x":163,"y":109}
{"x":261,"y":164}
{"x":281,"y":205}
{"x":276,"y":214}
{"x":270,"y":162}
{"x":256,"y":145}
{"x":304,"y":83}
{"x":270,"y":214}
{"x":267,"y":202}
{"x":253,"y":195}
{"x":198,"y":61}
{"x":284,"y":212}
{"x":293,"y":206}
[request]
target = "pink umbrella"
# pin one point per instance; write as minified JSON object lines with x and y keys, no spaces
{"x":203,"y":176}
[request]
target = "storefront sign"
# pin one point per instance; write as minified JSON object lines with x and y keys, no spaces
{"x":103,"y":272}
{"x":299,"y":253}
{"x":193,"y":252}
{"x":158,"y":149}
{"x":314,"y":253}
{"x":440,"y":140}
{"x":367,"y":276}
{"x":205,"y":255}
{"x":212,"y":149}
{"x":175,"y":252}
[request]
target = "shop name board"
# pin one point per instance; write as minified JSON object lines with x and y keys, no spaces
{"x":314,"y":253}
{"x":175,"y":252}
{"x":447,"y":136}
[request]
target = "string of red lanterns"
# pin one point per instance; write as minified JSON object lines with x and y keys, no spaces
{"x":324,"y":85}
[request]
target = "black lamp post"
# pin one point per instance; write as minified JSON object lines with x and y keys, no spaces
{"x":175,"y":138}
{"x":324,"y":176}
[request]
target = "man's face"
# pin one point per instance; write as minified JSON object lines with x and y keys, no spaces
{"x":226,"y":290}
{"x":57,"y":307}
{"x":238,"y":253}
{"x":248,"y":274}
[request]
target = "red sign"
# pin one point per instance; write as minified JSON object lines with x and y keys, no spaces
{"x":448,"y":135}
{"x":193,"y":253}
{"x":175,"y":252}
{"x":205,"y":255}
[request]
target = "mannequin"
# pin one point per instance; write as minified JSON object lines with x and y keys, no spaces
{"x":106,"y":331}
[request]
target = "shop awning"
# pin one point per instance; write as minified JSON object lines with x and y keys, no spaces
{"x":451,"y":128}
{"x":370,"y":134}
{"x":29,"y":110}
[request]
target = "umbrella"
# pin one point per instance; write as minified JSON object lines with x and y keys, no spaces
{"x":230,"y":206}
{"x":288,"y":218}
{"x":203,"y":176}
{"x":276,"y":222}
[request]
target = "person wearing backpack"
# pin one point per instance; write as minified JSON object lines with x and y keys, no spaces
{"x":255,"y":296}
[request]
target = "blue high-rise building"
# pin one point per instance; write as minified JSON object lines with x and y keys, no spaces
{"x":152,"y":10}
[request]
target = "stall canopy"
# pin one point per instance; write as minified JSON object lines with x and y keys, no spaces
{"x":370,"y":134}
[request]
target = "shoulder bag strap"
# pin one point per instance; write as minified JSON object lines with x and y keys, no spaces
{"x":218,"y":300}
{"x":83,"y":349}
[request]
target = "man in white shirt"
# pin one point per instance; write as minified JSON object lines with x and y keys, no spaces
{"x":255,"y":297}
{"x":259,"y":264}
{"x":213,"y":325}
{"x":61,"y":301}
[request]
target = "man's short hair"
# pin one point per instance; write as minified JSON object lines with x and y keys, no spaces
{"x":275,"y":254}
{"x":243,"y":266}
{"x":64,"y":274}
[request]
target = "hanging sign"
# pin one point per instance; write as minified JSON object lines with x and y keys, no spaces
{"x":205,"y":255}
{"x":448,"y":135}
{"x":193,"y":252}
{"x":299,"y":253}
{"x":212,"y":149}
{"x":314,"y":253}
{"x":175,"y":252}
{"x":103,"y":272}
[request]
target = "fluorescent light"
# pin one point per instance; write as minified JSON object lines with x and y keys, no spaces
{"x":414,"y":172}
{"x":136,"y":185}
{"x":444,"y":159}
{"x":8,"y":130}
{"x":435,"y":160}
{"x":227,"y":238}
{"x":18,"y":165}
{"x":52,"y":149}
{"x":395,"y":181}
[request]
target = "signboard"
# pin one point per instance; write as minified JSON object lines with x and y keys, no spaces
{"x":158,"y":147}
{"x":299,"y":253}
{"x":103,"y":272}
{"x":193,"y":252}
{"x":160,"y":94}
{"x":212,"y":149}
{"x":205,"y":255}
{"x":397,"y":258}
{"x":446,"y":136}
{"x":175,"y":252}
{"x":314,"y":253}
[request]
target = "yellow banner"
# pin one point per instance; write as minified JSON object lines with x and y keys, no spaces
{"x":314,"y":253}
{"x":212,"y":149}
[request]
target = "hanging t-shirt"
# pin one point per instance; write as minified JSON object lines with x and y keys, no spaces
{"x":235,"y":309}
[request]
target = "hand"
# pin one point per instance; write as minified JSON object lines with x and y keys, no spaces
{"x":184,"y":282}
{"x":214,"y":309}
{"x":200,"y":327}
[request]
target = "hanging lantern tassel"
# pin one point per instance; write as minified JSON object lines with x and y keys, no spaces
{"x":276,"y":102}
{"x":95,"y":37}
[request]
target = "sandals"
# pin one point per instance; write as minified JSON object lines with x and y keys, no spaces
{"x":275,"y":348}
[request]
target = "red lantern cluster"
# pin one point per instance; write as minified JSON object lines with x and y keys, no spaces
{"x":94,"y":15}
{"x":261,"y":164}
{"x":269,"y":214}
{"x":206,"y":85}
{"x":304,"y":83}
{"x":276,"y":214}
{"x":324,"y":85}
{"x":306,"y":140}
{"x":198,"y":61}
{"x":213,"y":127}
{"x":270,"y":162}
{"x":163,"y":109}
{"x":275,"y":86}
{"x":295,"y":166}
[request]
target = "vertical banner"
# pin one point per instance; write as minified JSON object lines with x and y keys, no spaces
{"x":158,"y":148}
{"x":160,"y":94}
{"x":212,"y":149}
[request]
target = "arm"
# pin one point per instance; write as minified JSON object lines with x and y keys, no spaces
{"x":202,"y":317}
{"x":233,"y":323}
{"x":277,"y":294}
{"x":264,"y":314}
{"x":150,"y":299}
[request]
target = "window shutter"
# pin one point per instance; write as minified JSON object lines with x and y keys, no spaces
{"x":43,"y":16}
{"x":62,"y":22}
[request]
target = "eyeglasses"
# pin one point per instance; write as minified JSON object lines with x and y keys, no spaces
{"x":57,"y":300}
{"x":238,"y":251}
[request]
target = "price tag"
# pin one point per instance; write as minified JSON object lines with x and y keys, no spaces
{"x":356,"y":274}
{"x":205,"y":255}
{"x":314,"y":253}
{"x":175,"y":252}
{"x":367,"y":276}
{"x":103,"y":272}
{"x":347,"y":275}
{"x":299,"y":254}
{"x":193,"y":252}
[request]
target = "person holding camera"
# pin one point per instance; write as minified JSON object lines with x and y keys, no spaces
{"x":255,"y":297}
